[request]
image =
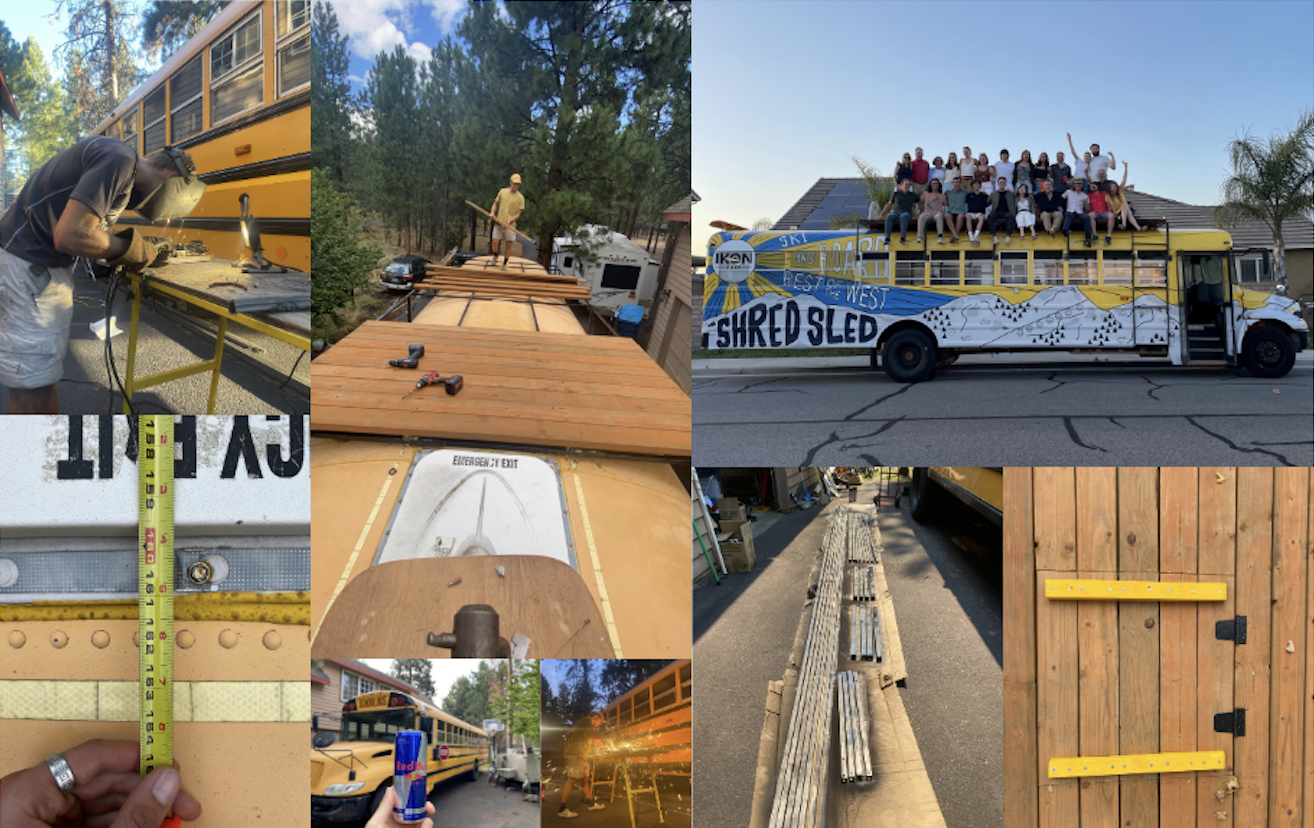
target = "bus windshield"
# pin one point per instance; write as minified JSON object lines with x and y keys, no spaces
{"x":380,"y":725}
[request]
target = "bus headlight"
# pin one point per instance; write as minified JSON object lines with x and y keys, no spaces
{"x":343,"y":790}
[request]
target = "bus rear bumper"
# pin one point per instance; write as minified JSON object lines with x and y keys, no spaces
{"x":337,"y":810}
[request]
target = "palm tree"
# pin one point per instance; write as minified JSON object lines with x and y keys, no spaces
{"x":1271,"y":181}
{"x":878,"y":187}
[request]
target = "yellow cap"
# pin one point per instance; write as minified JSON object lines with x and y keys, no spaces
{"x":515,"y":178}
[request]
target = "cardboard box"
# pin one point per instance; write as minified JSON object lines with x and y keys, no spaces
{"x":730,"y":508}
{"x":737,"y":550}
{"x":732,"y":526}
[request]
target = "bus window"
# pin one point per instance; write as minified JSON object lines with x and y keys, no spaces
{"x":1117,"y":268}
{"x":875,"y":267}
{"x":980,"y":267}
{"x":626,"y":712}
{"x":1151,"y":271}
{"x":611,"y":716}
{"x":293,"y":52}
{"x":1252,"y":271}
{"x":909,"y":271}
{"x":663,"y":692}
{"x":185,"y":95}
{"x":686,"y":681}
{"x":1049,"y":267}
{"x":641,"y":704}
{"x":1012,"y":268}
{"x":130,"y":126}
{"x":426,"y":727}
{"x":153,"y":112}
{"x":1082,"y":269}
{"x":237,"y":71}
{"x":945,"y":269}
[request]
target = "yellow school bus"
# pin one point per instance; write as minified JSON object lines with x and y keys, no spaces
{"x":349,"y":777}
{"x":655,"y":719}
{"x":237,"y":98}
{"x":980,"y":489}
{"x":1163,"y":293}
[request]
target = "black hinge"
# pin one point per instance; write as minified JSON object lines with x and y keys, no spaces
{"x":1234,"y":722}
{"x":1231,"y":630}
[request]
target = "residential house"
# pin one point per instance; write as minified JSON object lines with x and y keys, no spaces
{"x":336,"y":681}
{"x":663,"y":334}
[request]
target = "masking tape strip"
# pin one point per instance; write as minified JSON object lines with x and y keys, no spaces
{"x":268,"y":608}
{"x":1165,"y":591}
{"x":597,"y":570}
{"x":193,"y":701}
{"x":1211,"y":760}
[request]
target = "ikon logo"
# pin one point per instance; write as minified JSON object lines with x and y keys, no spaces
{"x":734,"y":260}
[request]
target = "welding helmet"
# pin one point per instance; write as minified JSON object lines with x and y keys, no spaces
{"x":177,"y":196}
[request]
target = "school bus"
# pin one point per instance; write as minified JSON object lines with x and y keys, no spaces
{"x":654,"y":716}
{"x":980,"y":489}
{"x":1158,"y":293}
{"x":349,"y":777}
{"x":237,"y":98}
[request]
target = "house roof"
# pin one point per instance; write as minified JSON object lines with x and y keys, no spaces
{"x":681,"y":210}
{"x":7,"y":104}
{"x":318,"y":676}
{"x":830,"y":197}
{"x":369,"y":672}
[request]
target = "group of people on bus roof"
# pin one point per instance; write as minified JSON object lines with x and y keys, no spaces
{"x":974,"y":194}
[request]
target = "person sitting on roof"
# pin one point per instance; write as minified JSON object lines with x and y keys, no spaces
{"x":1119,"y":205}
{"x":900,"y":208}
{"x":920,"y":172}
{"x":1003,"y":207}
{"x":1004,"y":170}
{"x":1076,"y":205}
{"x":977,"y":204}
{"x":1050,"y":207}
{"x":956,"y":206}
{"x":1099,"y":207}
{"x":1026,"y":215}
{"x":932,"y":204}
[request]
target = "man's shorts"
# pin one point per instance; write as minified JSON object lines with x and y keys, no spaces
{"x":500,"y":234}
{"x":35,"y":315}
{"x":576,"y":767}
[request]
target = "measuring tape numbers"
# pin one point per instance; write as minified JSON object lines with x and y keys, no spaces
{"x":155,"y":581}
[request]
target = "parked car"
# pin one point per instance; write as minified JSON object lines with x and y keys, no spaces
{"x":402,"y":272}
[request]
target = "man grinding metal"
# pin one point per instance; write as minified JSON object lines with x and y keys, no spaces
{"x":66,"y":210}
{"x":507,"y":207}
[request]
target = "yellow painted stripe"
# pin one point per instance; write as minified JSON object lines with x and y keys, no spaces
{"x":1084,"y":590}
{"x":1210,"y":760}
{"x":193,"y":701}
{"x":269,"y":608}
{"x":355,"y":552}
{"x":597,"y":570}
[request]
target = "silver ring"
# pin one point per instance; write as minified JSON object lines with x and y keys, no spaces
{"x":63,"y":773}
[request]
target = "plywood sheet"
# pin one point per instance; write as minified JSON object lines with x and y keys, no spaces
{"x":593,"y":393}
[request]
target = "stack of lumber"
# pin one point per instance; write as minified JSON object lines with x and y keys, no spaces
{"x":520,"y":279}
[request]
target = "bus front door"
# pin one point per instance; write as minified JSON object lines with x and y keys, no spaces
{"x":1205,"y":291}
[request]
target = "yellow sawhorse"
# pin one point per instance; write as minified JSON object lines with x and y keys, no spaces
{"x":132,"y":383}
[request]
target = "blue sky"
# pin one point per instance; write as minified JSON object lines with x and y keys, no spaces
{"x":29,"y":18}
{"x":378,"y":25}
{"x":784,"y":95}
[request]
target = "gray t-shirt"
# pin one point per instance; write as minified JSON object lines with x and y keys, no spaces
{"x":97,"y":171}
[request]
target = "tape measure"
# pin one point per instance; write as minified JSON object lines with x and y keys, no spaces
{"x":155,"y":578}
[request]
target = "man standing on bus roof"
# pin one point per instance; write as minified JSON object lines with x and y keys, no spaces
{"x":66,"y":210}
{"x":507,"y":207}
{"x":1097,"y":162}
{"x":577,"y":766}
{"x":921,"y":172}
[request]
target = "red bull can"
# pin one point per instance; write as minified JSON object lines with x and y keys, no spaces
{"x":408,"y":782}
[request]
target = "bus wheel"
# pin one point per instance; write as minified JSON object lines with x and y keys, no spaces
{"x":1268,"y":353}
{"x":474,"y":773}
{"x":925,"y":497}
{"x":909,"y":356}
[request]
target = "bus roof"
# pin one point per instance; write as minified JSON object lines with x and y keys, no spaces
{"x":1177,"y":239}
{"x":424,"y":709}
{"x":673,"y":667}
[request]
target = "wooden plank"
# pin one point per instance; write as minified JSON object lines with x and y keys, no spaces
{"x":1020,"y":761}
{"x":503,"y":224}
{"x":514,"y":272}
{"x":1289,"y":648}
{"x":535,"y":291}
{"x":1097,"y":639}
{"x":579,"y":399}
{"x":1054,"y":492}
{"x":1254,"y":587}
{"x":1138,"y":642}
{"x":1179,"y":510}
{"x":1309,"y":660}
{"x":1215,"y":659}
{"x":1055,"y":520}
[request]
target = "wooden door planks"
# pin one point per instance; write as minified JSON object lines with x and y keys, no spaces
{"x":1309,"y":657}
{"x":1179,"y":513}
{"x":1215,"y":659}
{"x":1097,"y":640}
{"x":559,"y":390}
{"x":1290,"y":649}
{"x":1138,"y":642}
{"x":1253,"y":597}
{"x":1021,"y":764}
{"x":1054,"y":492}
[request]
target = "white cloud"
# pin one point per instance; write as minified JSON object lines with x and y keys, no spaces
{"x":447,"y":13}
{"x":377,"y":25}
{"x":419,"y":51}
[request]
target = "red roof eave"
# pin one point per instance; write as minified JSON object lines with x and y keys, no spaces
{"x":685,"y":217}
{"x":318,"y":680}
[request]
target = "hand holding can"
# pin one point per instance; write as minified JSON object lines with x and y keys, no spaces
{"x":383,"y":817}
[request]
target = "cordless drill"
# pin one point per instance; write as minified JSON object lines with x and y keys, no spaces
{"x":453,"y":384}
{"x":411,"y":361}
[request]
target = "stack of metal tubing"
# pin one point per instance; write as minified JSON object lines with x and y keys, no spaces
{"x":800,"y":799}
{"x":855,"y":753}
{"x":864,"y":634}
{"x":862,"y":549}
{"x":864,"y":583}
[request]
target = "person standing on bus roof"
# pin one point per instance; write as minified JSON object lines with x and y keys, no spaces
{"x":65,"y":211}
{"x":903,"y":170}
{"x":967,"y":169}
{"x":956,"y":204}
{"x":1003,"y":207}
{"x":988,"y":186}
{"x":982,"y":173}
{"x":932,"y":204}
{"x":1040,"y":172}
{"x":1022,"y":173}
{"x":900,"y":208}
{"x":950,"y":170}
{"x":920,"y":172}
{"x":1026,"y":215}
{"x":936,"y":173}
{"x":977,"y":204}
{"x":1076,"y":204}
{"x":508,"y":206}
{"x":1060,"y":174}
{"x":578,"y":742}
{"x":1004,"y":170}
{"x":1050,"y":207}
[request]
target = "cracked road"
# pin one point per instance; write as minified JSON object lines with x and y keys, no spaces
{"x":1021,"y":415}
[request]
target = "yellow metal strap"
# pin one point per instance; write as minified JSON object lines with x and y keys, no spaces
{"x":1086,"y":590}
{"x":1209,"y":760}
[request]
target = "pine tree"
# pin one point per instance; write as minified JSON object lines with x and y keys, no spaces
{"x":100,"y":67}
{"x":47,"y":126}
{"x":168,"y":24}
{"x":330,"y":93}
{"x":416,"y":672}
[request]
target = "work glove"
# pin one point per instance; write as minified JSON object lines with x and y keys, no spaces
{"x":140,"y":253}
